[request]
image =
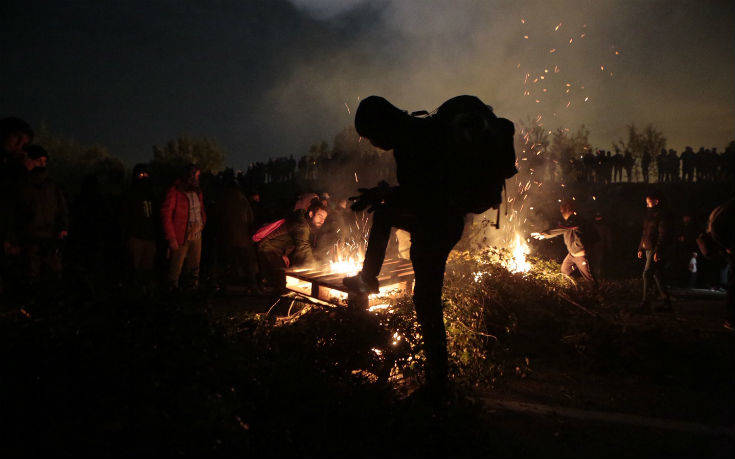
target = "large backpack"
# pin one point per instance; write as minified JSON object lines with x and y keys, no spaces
{"x":481,"y":155}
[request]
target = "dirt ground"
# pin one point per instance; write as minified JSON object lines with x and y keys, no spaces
{"x":125,"y":376}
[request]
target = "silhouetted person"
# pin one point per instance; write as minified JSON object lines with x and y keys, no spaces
{"x":140,"y":224}
{"x":41,"y":218}
{"x":578,"y":238}
{"x":673,"y":166}
{"x":628,"y":164}
{"x":236,"y":224}
{"x":183,"y":219}
{"x":661,"y":166}
{"x":720,"y":240}
{"x":654,"y":247}
{"x":15,"y":134}
{"x":434,"y":193}
{"x":618,"y":163}
{"x":687,"y":164}
{"x":646,"y":165}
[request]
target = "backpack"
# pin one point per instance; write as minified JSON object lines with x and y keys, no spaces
{"x":481,"y":155}
{"x":267,"y":230}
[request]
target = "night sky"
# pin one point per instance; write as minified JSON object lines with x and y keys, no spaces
{"x":268,"y":78}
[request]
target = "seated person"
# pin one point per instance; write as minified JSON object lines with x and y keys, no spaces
{"x":290,"y":244}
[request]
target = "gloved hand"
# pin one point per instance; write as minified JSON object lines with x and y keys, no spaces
{"x":371,"y":198}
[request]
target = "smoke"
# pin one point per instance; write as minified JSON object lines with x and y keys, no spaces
{"x":604,"y":64}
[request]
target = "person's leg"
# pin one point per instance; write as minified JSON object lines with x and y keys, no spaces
{"x":193,"y":258}
{"x":377,"y":243}
{"x":647,"y":274}
{"x":429,"y":252}
{"x":567,"y":266}
{"x":658,"y":276}
{"x":583,"y":265}
{"x":176,"y":263}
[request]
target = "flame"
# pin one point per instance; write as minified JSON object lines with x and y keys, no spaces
{"x":519,"y":249}
{"x":347,"y":266}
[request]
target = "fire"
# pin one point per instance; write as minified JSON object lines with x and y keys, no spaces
{"x":519,"y":249}
{"x":346,"y":266}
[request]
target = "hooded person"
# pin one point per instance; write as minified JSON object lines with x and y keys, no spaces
{"x":440,"y":162}
{"x":183,"y":218}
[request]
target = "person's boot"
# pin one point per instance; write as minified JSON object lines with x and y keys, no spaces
{"x":359,"y":284}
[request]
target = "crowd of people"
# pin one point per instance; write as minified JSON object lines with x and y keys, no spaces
{"x":672,"y":251}
{"x":150,"y":234}
{"x":704,"y":165}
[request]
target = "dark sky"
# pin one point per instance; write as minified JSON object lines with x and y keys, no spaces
{"x":271,"y":77}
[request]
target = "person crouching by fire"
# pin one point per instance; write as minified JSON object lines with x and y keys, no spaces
{"x":183,"y":218}
{"x":288,"y":243}
{"x":578,"y":238}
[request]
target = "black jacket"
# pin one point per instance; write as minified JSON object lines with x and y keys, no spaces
{"x":656,"y":230}
{"x":140,"y":212}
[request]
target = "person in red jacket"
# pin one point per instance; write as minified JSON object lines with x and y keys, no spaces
{"x":183,"y":218}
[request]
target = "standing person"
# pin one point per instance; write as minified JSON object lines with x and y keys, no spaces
{"x":140,"y":225}
{"x":674,"y":166}
{"x":441,"y":161}
{"x":183,"y":218}
{"x":654,"y":247}
{"x":628,"y":164}
{"x":15,"y":134}
{"x":236,"y":226}
{"x":646,"y":165}
{"x":692,"y":270}
{"x":41,"y":218}
{"x":661,"y":166}
{"x":687,"y":164}
{"x":618,"y":164}
{"x":578,"y":238}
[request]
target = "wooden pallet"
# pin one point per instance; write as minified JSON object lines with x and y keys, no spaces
{"x":321,"y":284}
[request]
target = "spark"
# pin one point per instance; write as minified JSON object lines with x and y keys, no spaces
{"x":586,"y":99}
{"x":356,"y":180}
{"x":582,"y":35}
{"x":571,"y":40}
{"x":557,"y":27}
{"x":523,"y":21}
{"x":552,"y":50}
{"x":569,"y":103}
{"x":526,"y":37}
{"x":348,"y":108}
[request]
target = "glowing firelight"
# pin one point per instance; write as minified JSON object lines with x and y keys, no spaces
{"x":519,"y":249}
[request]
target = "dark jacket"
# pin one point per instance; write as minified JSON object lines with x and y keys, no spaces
{"x":577,"y":235}
{"x":41,"y":208}
{"x":139,"y":212}
{"x":294,"y":239}
{"x":175,"y":213}
{"x":235,"y":218}
{"x":655,"y":235}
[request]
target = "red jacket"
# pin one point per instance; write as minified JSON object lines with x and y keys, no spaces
{"x":175,"y":213}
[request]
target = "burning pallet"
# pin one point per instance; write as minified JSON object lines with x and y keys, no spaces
{"x":324,"y":285}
